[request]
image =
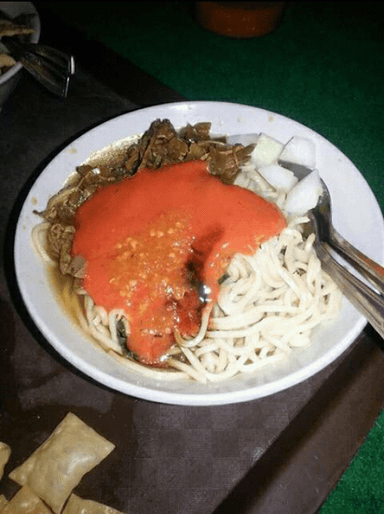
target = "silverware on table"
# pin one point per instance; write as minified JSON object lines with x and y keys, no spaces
{"x":51,"y":67}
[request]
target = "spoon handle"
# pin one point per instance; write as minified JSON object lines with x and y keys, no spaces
{"x":365,"y":299}
{"x":370,"y":269}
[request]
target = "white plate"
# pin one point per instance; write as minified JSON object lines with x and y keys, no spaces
{"x":362,"y":225}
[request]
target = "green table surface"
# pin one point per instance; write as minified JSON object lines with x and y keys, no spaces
{"x":323,"y":67}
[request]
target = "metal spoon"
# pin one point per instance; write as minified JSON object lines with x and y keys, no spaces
{"x":365,"y":299}
{"x":327,"y":233}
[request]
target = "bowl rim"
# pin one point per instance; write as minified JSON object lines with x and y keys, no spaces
{"x":25,"y":7}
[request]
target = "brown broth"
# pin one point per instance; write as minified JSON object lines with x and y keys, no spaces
{"x":63,"y":286}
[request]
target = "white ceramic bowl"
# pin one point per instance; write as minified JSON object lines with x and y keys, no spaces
{"x":363,"y":227}
{"x":10,"y":78}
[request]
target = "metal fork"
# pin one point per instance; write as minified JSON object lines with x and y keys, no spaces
{"x":51,"y":67}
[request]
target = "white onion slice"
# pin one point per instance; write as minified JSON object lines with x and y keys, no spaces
{"x":299,"y":150}
{"x":266,"y":151}
{"x":278,"y":177}
{"x":304,"y":195}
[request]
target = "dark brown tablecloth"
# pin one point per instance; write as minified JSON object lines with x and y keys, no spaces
{"x":279,"y":454}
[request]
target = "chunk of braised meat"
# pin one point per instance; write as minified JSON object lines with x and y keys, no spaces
{"x":198,"y":132}
{"x":225,"y":161}
{"x":63,"y":206}
{"x":161,"y":145}
{"x":197,"y":151}
{"x":60,"y":213}
{"x":59,"y":239}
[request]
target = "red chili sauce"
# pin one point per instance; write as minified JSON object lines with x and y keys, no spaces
{"x":145,"y":238}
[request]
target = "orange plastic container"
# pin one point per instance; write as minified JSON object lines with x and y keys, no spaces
{"x":240,"y":19}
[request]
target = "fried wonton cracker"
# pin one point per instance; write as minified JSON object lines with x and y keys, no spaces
{"x":59,"y":464}
{"x":3,"y":502}
{"x":6,"y":60}
{"x":9,"y":28}
{"x":25,"y":501}
{"x":5,"y":452}
{"x":77,"y":505}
